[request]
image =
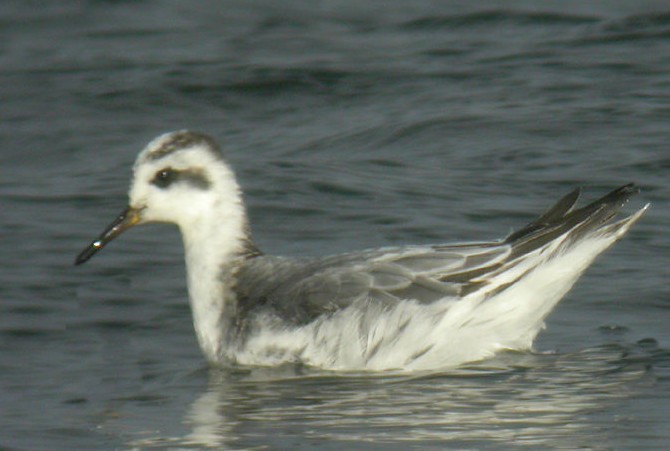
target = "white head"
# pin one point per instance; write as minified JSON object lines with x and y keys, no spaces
{"x":182,"y":178}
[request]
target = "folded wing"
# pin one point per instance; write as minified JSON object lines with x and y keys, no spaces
{"x":299,"y":290}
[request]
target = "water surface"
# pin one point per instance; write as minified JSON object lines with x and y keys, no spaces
{"x":350,"y":126}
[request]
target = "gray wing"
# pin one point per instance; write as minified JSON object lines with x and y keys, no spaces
{"x":299,"y":290}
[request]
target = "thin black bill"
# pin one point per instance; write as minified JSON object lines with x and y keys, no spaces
{"x":128,"y":218}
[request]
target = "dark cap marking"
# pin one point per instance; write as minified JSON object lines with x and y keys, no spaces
{"x":182,"y":140}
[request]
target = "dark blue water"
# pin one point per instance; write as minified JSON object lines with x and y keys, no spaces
{"x":350,"y":125}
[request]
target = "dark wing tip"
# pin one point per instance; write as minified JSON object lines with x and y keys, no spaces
{"x":618,"y":197}
{"x":629,"y":188}
{"x":554,"y":214}
{"x":563,"y":216}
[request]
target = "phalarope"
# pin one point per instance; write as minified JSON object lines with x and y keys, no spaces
{"x":407,"y":308}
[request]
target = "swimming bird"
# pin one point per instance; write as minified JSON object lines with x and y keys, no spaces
{"x":412,"y":307}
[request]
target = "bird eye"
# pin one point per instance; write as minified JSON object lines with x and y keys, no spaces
{"x":164,"y":177}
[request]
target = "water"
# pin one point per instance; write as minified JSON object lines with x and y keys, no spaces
{"x":350,"y":125}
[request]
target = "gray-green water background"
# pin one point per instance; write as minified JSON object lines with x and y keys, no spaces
{"x":351,"y":125}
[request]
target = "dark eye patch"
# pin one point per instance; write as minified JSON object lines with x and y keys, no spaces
{"x":165,"y":177}
{"x":168,"y":176}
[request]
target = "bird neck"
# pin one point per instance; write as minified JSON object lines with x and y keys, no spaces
{"x":214,"y":244}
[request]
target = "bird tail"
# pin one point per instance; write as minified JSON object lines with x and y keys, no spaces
{"x":546,"y":258}
{"x":562,"y":218}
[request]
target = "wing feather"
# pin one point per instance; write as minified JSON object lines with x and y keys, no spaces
{"x":299,"y":290}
